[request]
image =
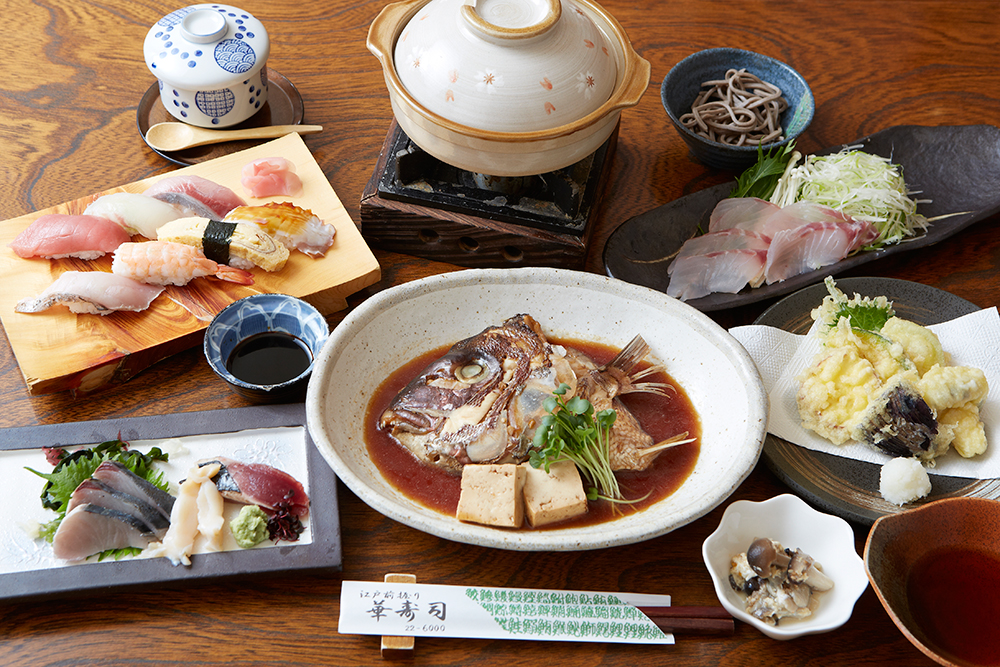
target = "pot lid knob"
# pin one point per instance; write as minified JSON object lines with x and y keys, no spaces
{"x":203,"y":26}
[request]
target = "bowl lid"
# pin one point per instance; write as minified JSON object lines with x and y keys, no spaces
{"x":506,"y":65}
{"x":206,"y":46}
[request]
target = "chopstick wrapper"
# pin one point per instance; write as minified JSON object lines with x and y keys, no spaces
{"x":970,"y":340}
{"x":428,"y":610}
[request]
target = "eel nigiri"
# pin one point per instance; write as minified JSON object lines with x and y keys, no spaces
{"x":137,"y":214}
{"x":218,"y":198}
{"x":58,"y":235}
{"x":95,"y":292}
{"x":295,"y":227}
{"x":235,"y":243}
{"x":166,"y":263}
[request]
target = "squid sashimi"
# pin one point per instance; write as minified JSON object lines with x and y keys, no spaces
{"x":270,"y":176}
{"x":166,"y":263}
{"x":740,"y":212}
{"x":94,"y":292}
{"x":58,"y":235}
{"x":238,"y":244}
{"x":218,"y":198}
{"x":295,"y":227}
{"x":814,"y":245}
{"x":728,"y":271}
{"x":137,"y":214}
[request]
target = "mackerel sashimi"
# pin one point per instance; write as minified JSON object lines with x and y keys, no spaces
{"x":57,"y":235}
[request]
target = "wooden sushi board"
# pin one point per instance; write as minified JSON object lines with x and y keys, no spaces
{"x":58,"y":350}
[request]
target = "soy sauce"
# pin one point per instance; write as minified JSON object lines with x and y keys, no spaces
{"x":269,"y":358}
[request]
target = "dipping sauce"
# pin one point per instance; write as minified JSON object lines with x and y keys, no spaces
{"x":954,"y":597}
{"x":439,"y":490}
{"x":267,"y":358}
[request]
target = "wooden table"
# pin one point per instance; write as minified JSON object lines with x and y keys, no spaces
{"x":71,"y":77}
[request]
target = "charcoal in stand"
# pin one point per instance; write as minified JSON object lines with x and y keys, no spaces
{"x":419,"y":205}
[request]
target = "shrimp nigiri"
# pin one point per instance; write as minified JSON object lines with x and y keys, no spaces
{"x":295,"y":227}
{"x":166,"y":263}
{"x":56,"y":235}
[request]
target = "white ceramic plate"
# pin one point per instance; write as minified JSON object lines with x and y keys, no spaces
{"x":396,"y":325}
{"x":789,"y":520}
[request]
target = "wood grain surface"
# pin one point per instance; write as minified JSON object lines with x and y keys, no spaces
{"x":71,"y":77}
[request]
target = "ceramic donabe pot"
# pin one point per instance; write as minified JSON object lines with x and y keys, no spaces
{"x":507,"y":87}
{"x":211,"y":63}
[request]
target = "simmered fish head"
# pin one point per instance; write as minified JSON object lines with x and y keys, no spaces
{"x":471,"y":405}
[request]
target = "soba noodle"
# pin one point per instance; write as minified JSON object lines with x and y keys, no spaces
{"x":740,"y":110}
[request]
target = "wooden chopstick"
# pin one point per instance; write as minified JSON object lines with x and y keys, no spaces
{"x":691,"y":620}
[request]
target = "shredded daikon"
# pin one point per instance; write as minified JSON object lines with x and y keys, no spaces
{"x":864,"y":186}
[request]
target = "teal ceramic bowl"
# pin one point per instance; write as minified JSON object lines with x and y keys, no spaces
{"x":683,"y":83}
{"x":264,"y":346}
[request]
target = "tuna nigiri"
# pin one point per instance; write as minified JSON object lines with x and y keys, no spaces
{"x":166,"y":263}
{"x":58,"y":235}
{"x":295,"y":227}
{"x":95,"y":292}
{"x":137,"y":214}
{"x":238,"y":244}
{"x":218,"y":198}
{"x":270,"y":176}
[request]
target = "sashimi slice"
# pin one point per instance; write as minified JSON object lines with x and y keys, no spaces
{"x":740,"y":212}
{"x":727,"y":271}
{"x":726,"y":239}
{"x":814,"y":245}
{"x":89,"y":529}
{"x":798,"y":214}
{"x":217,"y":197}
{"x":56,"y":235}
{"x":92,"y":292}
{"x":259,"y":484}
{"x":117,"y":476}
{"x":178,"y":543}
{"x":137,"y":214}
{"x":270,"y":176}
{"x":94,"y":492}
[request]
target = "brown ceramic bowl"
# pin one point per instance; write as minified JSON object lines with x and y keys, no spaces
{"x":920,"y":559}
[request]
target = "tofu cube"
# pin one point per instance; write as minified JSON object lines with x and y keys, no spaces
{"x":492,"y":495}
{"x":553,"y":496}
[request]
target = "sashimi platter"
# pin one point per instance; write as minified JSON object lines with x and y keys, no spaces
{"x":101,"y":287}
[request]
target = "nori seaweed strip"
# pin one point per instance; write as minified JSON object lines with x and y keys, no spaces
{"x":215,"y":242}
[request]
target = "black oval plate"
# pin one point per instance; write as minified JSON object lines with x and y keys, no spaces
{"x":957,"y":168}
{"x":842,"y":486}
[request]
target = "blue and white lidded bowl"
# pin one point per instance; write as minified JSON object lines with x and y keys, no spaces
{"x":211,"y":62}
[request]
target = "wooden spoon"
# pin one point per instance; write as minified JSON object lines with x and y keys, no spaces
{"x":178,"y":136}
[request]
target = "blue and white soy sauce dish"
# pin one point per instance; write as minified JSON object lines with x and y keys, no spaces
{"x":211,"y":64}
{"x":264,"y":346}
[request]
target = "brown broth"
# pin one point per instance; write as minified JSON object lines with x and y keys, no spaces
{"x":954,"y":597}
{"x":439,"y":490}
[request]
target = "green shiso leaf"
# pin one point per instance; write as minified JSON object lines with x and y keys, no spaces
{"x":762,"y":177}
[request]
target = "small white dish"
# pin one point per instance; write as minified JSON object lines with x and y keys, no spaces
{"x":789,"y":520}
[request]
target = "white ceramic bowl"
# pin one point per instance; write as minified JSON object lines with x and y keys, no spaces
{"x":506,"y":130}
{"x":211,"y":64}
{"x":790,"y":521}
{"x":394,"y":326}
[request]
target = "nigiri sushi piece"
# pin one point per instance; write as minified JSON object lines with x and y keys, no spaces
{"x":237,"y":244}
{"x":137,"y":214}
{"x":270,"y":176}
{"x":727,"y":271}
{"x":93,"y":292}
{"x":56,"y":235}
{"x":90,"y":529}
{"x":166,"y":263}
{"x":218,"y":198}
{"x":295,"y":227}
{"x":258,"y":484}
{"x":814,"y":245}
{"x":187,"y":205}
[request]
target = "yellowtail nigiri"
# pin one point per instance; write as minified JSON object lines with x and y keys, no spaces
{"x":237,"y":244}
{"x":295,"y":227}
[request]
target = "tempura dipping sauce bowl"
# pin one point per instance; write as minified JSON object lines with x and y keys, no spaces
{"x":936,"y":570}
{"x":264,"y":346}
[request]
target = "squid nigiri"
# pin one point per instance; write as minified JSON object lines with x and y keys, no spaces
{"x":294,"y":227}
{"x":56,"y":235}
{"x":217,"y":197}
{"x":137,"y":214}
{"x":94,"y":292}
{"x":235,"y":243}
{"x":166,"y":263}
